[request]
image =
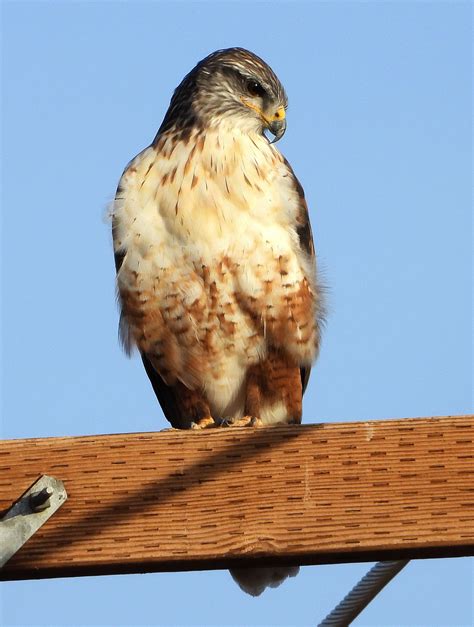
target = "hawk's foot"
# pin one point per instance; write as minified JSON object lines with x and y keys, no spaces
{"x":245,"y":421}
{"x":204,"y":423}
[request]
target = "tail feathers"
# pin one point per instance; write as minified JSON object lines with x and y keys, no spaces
{"x":255,"y":580}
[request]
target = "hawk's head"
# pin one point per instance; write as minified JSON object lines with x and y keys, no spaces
{"x":232,"y":84}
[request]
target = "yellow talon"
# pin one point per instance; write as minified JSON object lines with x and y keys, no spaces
{"x":204,"y":423}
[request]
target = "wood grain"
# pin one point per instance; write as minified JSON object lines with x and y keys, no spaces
{"x":182,"y":500}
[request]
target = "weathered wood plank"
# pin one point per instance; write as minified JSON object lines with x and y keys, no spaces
{"x":179,"y":500}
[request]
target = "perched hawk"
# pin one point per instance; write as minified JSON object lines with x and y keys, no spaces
{"x":215,"y":261}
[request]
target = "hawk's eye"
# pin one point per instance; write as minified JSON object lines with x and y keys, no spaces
{"x":255,"y":89}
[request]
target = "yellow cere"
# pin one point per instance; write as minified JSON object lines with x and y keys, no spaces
{"x":280,"y":114}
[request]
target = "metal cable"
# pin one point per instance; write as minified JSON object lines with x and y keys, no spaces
{"x":362,"y":593}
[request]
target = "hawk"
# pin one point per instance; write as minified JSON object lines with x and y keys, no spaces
{"x":216,"y":270}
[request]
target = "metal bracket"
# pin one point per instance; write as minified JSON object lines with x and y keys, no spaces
{"x":28,"y":514}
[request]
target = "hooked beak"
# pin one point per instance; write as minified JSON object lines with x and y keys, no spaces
{"x":277,"y":128}
{"x":276,"y":123}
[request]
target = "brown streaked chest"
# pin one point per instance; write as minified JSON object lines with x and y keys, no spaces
{"x":207,"y":227}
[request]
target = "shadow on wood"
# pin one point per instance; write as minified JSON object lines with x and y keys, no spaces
{"x":182,"y":500}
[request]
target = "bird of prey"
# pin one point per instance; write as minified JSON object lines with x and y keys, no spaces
{"x":216,"y":270}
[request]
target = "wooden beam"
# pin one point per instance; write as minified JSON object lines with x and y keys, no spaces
{"x":183,"y":500}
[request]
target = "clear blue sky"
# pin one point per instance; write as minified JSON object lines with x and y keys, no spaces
{"x":378,"y":132}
